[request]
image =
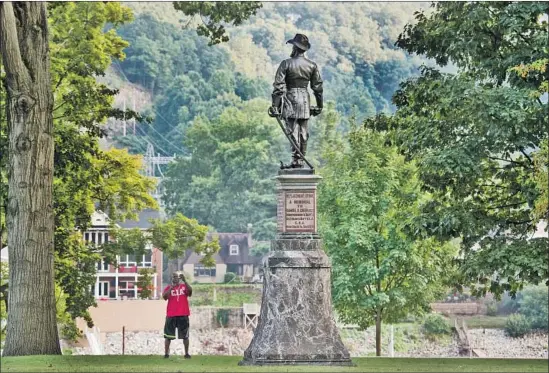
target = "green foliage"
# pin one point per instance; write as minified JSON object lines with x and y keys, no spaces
{"x":476,"y":135}
{"x":366,"y":201}
{"x":226,"y":181}
{"x":534,"y":305}
{"x":517,"y":325}
{"x":229,"y":277}
{"x":189,"y":78}
{"x":435,"y":325}
{"x":145,"y":283}
{"x":492,"y":308}
{"x":260,"y":248}
{"x":173,"y":236}
{"x":82,"y":48}
{"x":215,"y":15}
{"x":222,"y":317}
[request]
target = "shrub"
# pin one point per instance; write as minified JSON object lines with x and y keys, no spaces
{"x":517,"y":325}
{"x":491,"y":308}
{"x":222,"y":317}
{"x":232,"y":278}
{"x":435,"y":325}
{"x":508,"y":305}
{"x":534,"y":306}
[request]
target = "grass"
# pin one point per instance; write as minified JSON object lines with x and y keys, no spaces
{"x":116,"y":363}
{"x":482,"y":322}
{"x":485,"y":322}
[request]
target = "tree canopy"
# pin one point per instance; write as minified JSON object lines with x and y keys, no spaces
{"x":367,"y":201}
{"x":478,"y":136}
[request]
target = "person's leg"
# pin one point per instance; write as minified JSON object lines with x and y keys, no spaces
{"x":167,"y":347}
{"x":185,"y":335}
{"x":169,"y":334}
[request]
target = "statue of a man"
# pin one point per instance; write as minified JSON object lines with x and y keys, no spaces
{"x":290,"y":98}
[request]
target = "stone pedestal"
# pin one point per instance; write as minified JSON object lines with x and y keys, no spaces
{"x":296,"y":325}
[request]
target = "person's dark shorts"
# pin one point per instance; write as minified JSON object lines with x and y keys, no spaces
{"x":181,"y":323}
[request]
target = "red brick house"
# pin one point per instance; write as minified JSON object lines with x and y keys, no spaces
{"x":120,"y":283}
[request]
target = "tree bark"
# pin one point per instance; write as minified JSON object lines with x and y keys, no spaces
{"x":32,"y":326}
{"x":378,"y":333}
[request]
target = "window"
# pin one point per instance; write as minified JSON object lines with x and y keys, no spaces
{"x":103,"y":289}
{"x":126,"y":288}
{"x":147,"y":261}
{"x":233,"y":250}
{"x":127,"y":261}
{"x":201,"y":271}
{"x":102,"y":266}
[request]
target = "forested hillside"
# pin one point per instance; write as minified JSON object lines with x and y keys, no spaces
{"x":208,"y":103}
{"x":352,"y":42}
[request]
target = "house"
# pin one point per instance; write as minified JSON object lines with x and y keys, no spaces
{"x":4,"y":255}
{"x":120,"y":282}
{"x":234,"y":256}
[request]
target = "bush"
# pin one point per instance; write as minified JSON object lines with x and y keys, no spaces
{"x":491,"y":308}
{"x":232,"y":278}
{"x":435,"y":325}
{"x":508,"y":305}
{"x":222,"y":317}
{"x":534,"y":306}
{"x":517,"y":325}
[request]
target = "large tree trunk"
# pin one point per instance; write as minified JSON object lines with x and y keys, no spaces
{"x":378,"y":333}
{"x":32,"y":326}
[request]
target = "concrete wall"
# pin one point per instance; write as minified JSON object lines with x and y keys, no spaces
{"x":149,"y":315}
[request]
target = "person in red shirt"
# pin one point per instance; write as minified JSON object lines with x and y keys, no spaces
{"x":177,"y":315}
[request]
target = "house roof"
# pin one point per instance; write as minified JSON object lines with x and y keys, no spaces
{"x":142,"y":221}
{"x":224,"y":256}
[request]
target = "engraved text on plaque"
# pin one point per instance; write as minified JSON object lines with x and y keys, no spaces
{"x":300,"y":211}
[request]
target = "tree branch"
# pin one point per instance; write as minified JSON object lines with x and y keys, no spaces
{"x":507,"y":160}
{"x":526,"y":155}
{"x":9,"y":43}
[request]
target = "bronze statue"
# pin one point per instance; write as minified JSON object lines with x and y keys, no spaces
{"x":291,"y":100}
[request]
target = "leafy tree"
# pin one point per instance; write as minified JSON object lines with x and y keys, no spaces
{"x":534,"y":306}
{"x":173,"y":236}
{"x":26,"y":59}
{"x":144,"y":283}
{"x":226,"y":180}
{"x":86,"y":177}
{"x":381,"y":270}
{"x":477,"y":136}
{"x":214,"y":14}
{"x":361,"y":73}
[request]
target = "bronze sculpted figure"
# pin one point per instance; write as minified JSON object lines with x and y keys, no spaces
{"x":291,"y":100}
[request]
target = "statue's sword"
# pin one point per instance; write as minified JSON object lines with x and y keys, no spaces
{"x":291,"y":138}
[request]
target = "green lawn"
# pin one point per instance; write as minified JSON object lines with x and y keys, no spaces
{"x":487,"y":322}
{"x":114,"y":363}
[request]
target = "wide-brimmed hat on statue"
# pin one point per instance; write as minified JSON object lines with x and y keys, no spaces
{"x":300,"y":41}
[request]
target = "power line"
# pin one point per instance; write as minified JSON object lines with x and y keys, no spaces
{"x":152,"y":127}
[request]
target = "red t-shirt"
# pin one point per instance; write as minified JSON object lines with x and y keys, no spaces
{"x":178,"y":302}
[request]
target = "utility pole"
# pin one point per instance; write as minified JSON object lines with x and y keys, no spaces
{"x":151,"y":161}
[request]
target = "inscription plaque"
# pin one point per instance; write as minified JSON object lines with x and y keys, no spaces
{"x":299,"y":211}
